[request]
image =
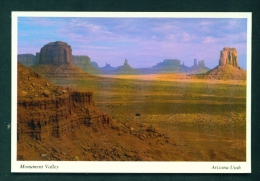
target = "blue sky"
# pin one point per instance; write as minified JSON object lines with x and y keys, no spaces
{"x":144,"y":42}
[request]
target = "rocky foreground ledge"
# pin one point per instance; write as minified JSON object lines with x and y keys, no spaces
{"x":47,"y":110}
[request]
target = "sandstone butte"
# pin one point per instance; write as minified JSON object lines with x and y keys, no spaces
{"x":56,"y":53}
{"x":84,"y":63}
{"x":228,"y":56}
{"x":56,"y":60}
{"x":228,"y":67}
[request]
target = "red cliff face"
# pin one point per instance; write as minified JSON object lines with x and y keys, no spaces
{"x":82,"y":98}
{"x":57,"y":117}
{"x":44,"y":110}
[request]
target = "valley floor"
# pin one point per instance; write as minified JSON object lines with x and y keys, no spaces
{"x":155,"y":118}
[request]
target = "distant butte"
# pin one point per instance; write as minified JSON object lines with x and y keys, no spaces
{"x":55,"y":60}
{"x":228,"y":67}
{"x":84,"y":63}
{"x":56,"y":53}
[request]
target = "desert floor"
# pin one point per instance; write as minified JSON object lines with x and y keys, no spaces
{"x":155,"y":118}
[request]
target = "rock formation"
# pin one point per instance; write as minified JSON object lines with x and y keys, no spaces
{"x":37,"y":58}
{"x":84,"y":63}
{"x":125,"y":69}
{"x":169,"y":63}
{"x":56,"y":53}
{"x":81,"y":61}
{"x":95,"y":65}
{"x":46,"y":110}
{"x":126,"y":63}
{"x":197,"y":68}
{"x":195,"y":63}
{"x":228,"y":68}
{"x":108,"y":67}
{"x":27,"y":59}
{"x":228,"y":56}
{"x":175,"y":66}
{"x":201,"y":63}
{"x":55,"y":61}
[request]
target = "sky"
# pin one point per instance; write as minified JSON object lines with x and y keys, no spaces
{"x":144,"y":42}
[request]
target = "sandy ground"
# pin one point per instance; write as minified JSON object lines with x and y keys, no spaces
{"x":191,"y":120}
{"x":174,"y":77}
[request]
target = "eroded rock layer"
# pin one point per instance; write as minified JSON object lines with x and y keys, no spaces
{"x":45,"y":110}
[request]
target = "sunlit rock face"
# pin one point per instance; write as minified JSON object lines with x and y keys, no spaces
{"x":228,"y":56}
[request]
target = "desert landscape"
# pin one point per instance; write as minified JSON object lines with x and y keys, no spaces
{"x":65,"y":113}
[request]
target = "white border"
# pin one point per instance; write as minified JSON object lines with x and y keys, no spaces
{"x":127,"y":166}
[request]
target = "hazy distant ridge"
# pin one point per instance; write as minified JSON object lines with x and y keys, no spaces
{"x":85,"y":63}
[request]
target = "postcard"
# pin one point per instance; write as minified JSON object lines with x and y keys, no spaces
{"x":131,"y":92}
